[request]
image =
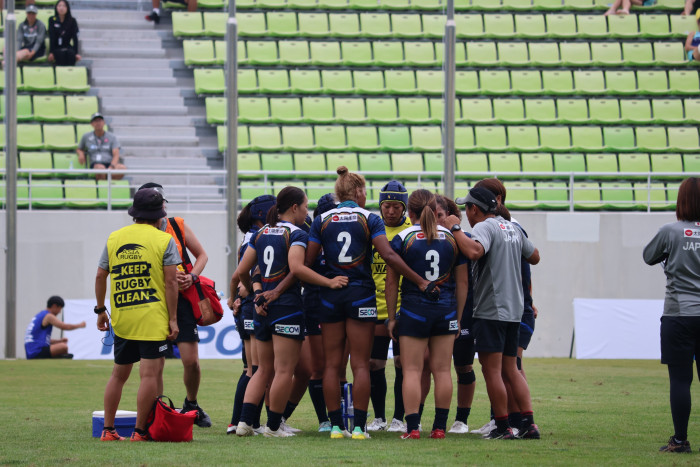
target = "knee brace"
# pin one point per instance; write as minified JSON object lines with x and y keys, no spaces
{"x":519,"y":363}
{"x":466,"y":378}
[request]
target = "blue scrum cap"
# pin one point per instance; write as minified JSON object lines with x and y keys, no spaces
{"x":394,"y":191}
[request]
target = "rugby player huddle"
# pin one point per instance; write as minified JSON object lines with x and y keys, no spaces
{"x":309,"y":295}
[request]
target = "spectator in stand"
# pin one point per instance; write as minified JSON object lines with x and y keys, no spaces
{"x":31,"y":34}
{"x":63,"y":36}
{"x":691,"y":7}
{"x":102,"y":147}
{"x":692,"y":42}
{"x":155,"y":14}
{"x":622,"y":7}
{"x":37,"y":340}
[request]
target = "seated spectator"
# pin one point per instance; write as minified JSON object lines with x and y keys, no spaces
{"x":37,"y":340}
{"x":155,"y":14}
{"x":63,"y":36}
{"x":693,"y":42}
{"x":691,"y":7}
{"x":622,"y":7}
{"x":102,"y":148}
{"x":31,"y":34}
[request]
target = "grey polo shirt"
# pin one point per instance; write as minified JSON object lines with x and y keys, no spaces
{"x":498,"y":291}
{"x":99,"y":150}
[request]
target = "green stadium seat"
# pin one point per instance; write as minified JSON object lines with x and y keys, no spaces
{"x":357,"y":53}
{"x":400,"y":81}
{"x":335,"y":4}
{"x":651,"y":26}
{"x":375,"y":25}
{"x":221,"y":53}
{"x":601,"y":163}
{"x":429,"y":82}
{"x":81,"y":194}
{"x":557,"y":82}
{"x":499,"y":25}
{"x":49,"y":108}
{"x":683,"y":82}
{"x":672,"y":194}
{"x":298,"y":138}
{"x":652,"y":82}
{"x":282,"y":24}
{"x":466,"y":82}
{"x":589,"y":82}
{"x":215,"y":24}
{"x":28,"y":136}
{"x":251,"y":190}
{"x":243,"y":140}
{"x":208,"y":81}
{"x":482,"y":53}
{"x":214,"y":3}
{"x":682,"y":25}
{"x":555,"y":138}
{"x":393,"y":4}
{"x":552,"y":195}
{"x":253,"y":110}
{"x":344,"y":25}
{"x":35,"y":161}
{"x":392,"y":138}
{"x":313,"y":25}
{"x":513,"y":54}
{"x":309,"y":162}
{"x":60,"y":137}
{"x":526,"y":82}
{"x":606,"y":53}
{"x":427,"y":4}
{"x":540,"y":111}
{"x":434,"y":162}
{"x":651,"y":195}
{"x":617,"y":196}
{"x":651,"y":139}
{"x":537,"y":162}
{"x":530,"y":26}
{"x":587,"y":196}
{"x":592,"y":26}
{"x":285,"y":110}
{"x":24,"y":107}
{"x":669,"y":53}
{"x":490,"y":138}
{"x":317,"y":109}
{"x":72,"y":79}
{"x":508,"y":110}
{"x":619,"y":138}
{"x":668,"y":110}
{"x":248,"y":161}
{"x":306,"y":81}
{"x":494,"y":82}
{"x":437,"y":110}
{"x":334,"y":82}
{"x":633,"y":162}
{"x":666,"y":163}
{"x":623,"y":26}
{"x":362,"y":138}
{"x":504,"y":164}
{"x":521,"y":195}
{"x":620,"y":82}
{"x":604,"y":110}
{"x":353,"y":111}
{"x":265,"y":138}
{"x":265,"y":52}
{"x":38,"y":78}
{"x":639,"y":54}
{"x":247,"y":81}
{"x":277,"y":162}
{"x":420,"y":54}
{"x":388,"y":53}
{"x":692,"y":110}
{"x":683,"y":139}
{"x":215,"y":110}
{"x":477,"y":111}
{"x":426,"y":138}
{"x":69,"y":162}
{"x":586,"y":138}
{"x":575,"y":53}
{"x":273,"y":81}
{"x":406,"y":26}
{"x":199,"y":52}
{"x":411,"y":162}
{"x":80,"y":108}
{"x":464,"y":139}
{"x":348,"y":159}
{"x":544,"y":54}
{"x":523,"y":138}
{"x":368,"y":82}
{"x":330,"y":138}
{"x":187,"y":24}
{"x":561,"y":26}
{"x":460,"y":54}
{"x":317,"y":188}
{"x":469,"y":26}
{"x":325,"y":53}
{"x":375,"y":163}
{"x":433,"y":25}
{"x":379,"y":110}
{"x":572,"y":110}
{"x":475,"y":164}
{"x":293,"y":53}
{"x":302,"y":4}
{"x":564,"y":164}
{"x":691,"y":163}
{"x":46,"y":194}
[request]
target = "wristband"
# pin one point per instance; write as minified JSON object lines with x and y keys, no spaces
{"x":100,"y":309}
{"x":194,"y":276}
{"x":258,"y":292}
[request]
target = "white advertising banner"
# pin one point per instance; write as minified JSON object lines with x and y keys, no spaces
{"x":610,"y":328}
{"x":216,"y":341}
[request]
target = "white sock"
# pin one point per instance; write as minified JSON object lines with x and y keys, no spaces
{"x":156,"y":11}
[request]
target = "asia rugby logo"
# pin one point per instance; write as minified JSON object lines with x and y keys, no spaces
{"x":130,"y":251}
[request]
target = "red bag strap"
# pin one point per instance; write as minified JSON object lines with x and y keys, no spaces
{"x":178,"y":234}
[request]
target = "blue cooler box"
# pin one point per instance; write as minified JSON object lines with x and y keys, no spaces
{"x":124,"y":423}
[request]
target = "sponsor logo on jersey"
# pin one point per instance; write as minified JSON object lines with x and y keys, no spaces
{"x":695,"y":233}
{"x":453,"y":325}
{"x":275,"y":231}
{"x":248,"y":324}
{"x":344,"y":218}
{"x":163,"y":348}
{"x":367,"y":313}
{"x":421,"y":236}
{"x":288,"y":329}
{"x":692,"y":246}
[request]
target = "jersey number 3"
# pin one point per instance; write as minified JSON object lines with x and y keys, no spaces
{"x":434,"y":258}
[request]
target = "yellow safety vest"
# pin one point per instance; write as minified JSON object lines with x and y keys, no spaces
{"x":137,"y":296}
{"x":379,"y":271}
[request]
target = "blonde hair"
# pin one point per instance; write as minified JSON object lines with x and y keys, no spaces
{"x":423,"y":205}
{"x":347,"y":184}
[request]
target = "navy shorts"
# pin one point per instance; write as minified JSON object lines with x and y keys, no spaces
{"x":680,"y":339}
{"x":357,"y":302}
{"x":423,"y":322}
{"x":496,"y":336}
{"x":45,"y":352}
{"x":463,"y":350}
{"x":281,"y":320}
{"x":527,"y":328}
{"x":380,"y":347}
{"x":312,"y":311}
{"x":127,"y":351}
{"x":185,"y":321}
{"x":242,"y":334}
{"x":249,"y":315}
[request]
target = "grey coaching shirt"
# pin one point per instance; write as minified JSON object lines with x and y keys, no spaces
{"x":99,"y":150}
{"x":678,"y":246}
{"x":498,"y":290}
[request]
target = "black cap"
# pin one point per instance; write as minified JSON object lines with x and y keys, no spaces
{"x":31,"y":8}
{"x":156,"y":186}
{"x":96,"y":115}
{"x":480,"y":197}
{"x":148,"y":204}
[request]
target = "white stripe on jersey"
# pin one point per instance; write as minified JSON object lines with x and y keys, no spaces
{"x":416,"y":228}
{"x":358,"y":209}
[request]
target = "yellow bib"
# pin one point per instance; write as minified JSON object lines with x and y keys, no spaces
{"x":137,"y":296}
{"x":379,"y":271}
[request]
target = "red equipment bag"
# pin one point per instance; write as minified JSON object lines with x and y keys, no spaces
{"x":167,"y":424}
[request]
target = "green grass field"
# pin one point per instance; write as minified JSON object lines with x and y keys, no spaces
{"x":589,"y":412}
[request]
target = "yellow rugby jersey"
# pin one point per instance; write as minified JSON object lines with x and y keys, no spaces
{"x":379,"y":270}
{"x":137,"y":282}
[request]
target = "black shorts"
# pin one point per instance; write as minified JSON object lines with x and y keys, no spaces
{"x":496,"y":336}
{"x":186,"y":321}
{"x":128,"y":351}
{"x":680,"y":339}
{"x":281,"y":320}
{"x":463,"y":350}
{"x":45,"y":352}
{"x":242,"y":333}
{"x":357,"y":302}
{"x":312,"y":311}
{"x":248,"y":313}
{"x":423,"y":322}
{"x":380,"y":347}
{"x":527,"y":328}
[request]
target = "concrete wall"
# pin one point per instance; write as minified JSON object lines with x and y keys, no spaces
{"x":589,"y":255}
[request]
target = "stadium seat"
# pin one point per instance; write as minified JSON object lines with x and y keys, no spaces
{"x":682,"y":25}
{"x":325,"y":53}
{"x":652,"y":196}
{"x":530,"y":26}
{"x":317,"y":188}
{"x":683,"y":139}
{"x":651,"y":139}
{"x":399,"y":81}
{"x":668,"y":110}
{"x":572,"y":110}
{"x":187,"y":24}
{"x":537,"y":162}
{"x":247,"y":81}
{"x":426,"y":4}
{"x":380,"y":110}
{"x":669,"y":53}
{"x":504,"y":164}
{"x":375,"y":25}
{"x":604,"y":110}
{"x":406,"y":26}
{"x":350,"y":110}
{"x":526,"y":82}
{"x":552,"y":195}
{"x":81,"y":194}
{"x":476,"y":111}
{"x":265,"y":138}
{"x":683,"y":81}
{"x":469,"y":26}
{"x":482,"y":53}
{"x":407,"y":162}
{"x":652,"y":82}
{"x":317,"y":109}
{"x":429,"y":82}
{"x":24,"y":107}
{"x":49,"y":108}
{"x":635,"y":111}
{"x":617,"y":196}
{"x":651,"y":26}
{"x":521,"y":195}
{"x":490,"y":138}
{"x":265,"y":52}
{"x":357,"y":53}
{"x":415,"y":111}
{"x":561,"y":26}
{"x":494,"y":82}
{"x":691,"y":163}
{"x":81,"y":108}
{"x":433,"y":26}
{"x":215,"y":110}
{"x":298,"y":138}
{"x":248,"y":161}
{"x":426,"y":138}
{"x":273,"y":81}
{"x":38,"y":78}
{"x":303,"y":81}
{"x":313,"y":25}
{"x":35,"y":161}
{"x":692,"y":110}
{"x":282,"y":24}
{"x":540,"y":111}
{"x":623,"y":25}
{"x":606,"y":54}
{"x":114,"y":192}
{"x":575,"y":53}
{"x":586,"y":196}
{"x":348,"y":159}
{"x":633,"y":162}
{"x":215,"y":24}
{"x":251,"y":190}
{"x":392,"y":138}
{"x":586,"y":138}
{"x":513,"y":54}
{"x":277,"y":162}
{"x":209,"y":81}
{"x":557,"y":82}
{"x":46,"y":194}
{"x":638,"y":53}
{"x":59,"y":137}
{"x":508,"y":110}
{"x":523,"y":138}
{"x":555,"y":138}
{"x":253,"y":110}
{"x":592,"y":26}
{"x":620,"y":82}
{"x":362,"y":138}
{"x":309,"y":162}
{"x":601,"y":165}
{"x":589,"y":82}
{"x":619,"y":138}
{"x":544,"y":53}
{"x":388,"y":53}
{"x":344,"y":25}
{"x":28,"y":136}
{"x":434,"y":162}
{"x":375,"y":163}
{"x":67,"y":161}
{"x":292,"y":53}
{"x":72,"y":79}
{"x":199,"y":52}
{"x":330,"y":138}
{"x":564,"y":164}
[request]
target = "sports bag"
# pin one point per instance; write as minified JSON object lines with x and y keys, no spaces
{"x":202,"y":295}
{"x":167,"y":424}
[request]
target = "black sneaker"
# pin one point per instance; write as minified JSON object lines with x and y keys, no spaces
{"x":673,"y":446}
{"x":531,"y":431}
{"x":155,"y":17}
{"x":68,"y":356}
{"x":202,"y":419}
{"x":495,"y":434}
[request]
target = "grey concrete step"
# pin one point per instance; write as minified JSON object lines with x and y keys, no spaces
{"x":131,"y":72}
{"x":156,"y":131}
{"x":138,"y":93}
{"x":102,"y":5}
{"x":136,"y":24}
{"x":93,"y":51}
{"x":148,"y":120}
{"x":169,"y":152}
{"x":197,"y":163}
{"x":90,"y":16}
{"x":94,"y":34}
{"x":158,"y":141}
{"x":150,"y":43}
{"x":141,"y":63}
{"x":134,"y":82}
{"x":145,"y":110}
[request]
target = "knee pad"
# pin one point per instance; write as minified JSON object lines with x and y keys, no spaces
{"x":466,"y":378}
{"x":519,"y":363}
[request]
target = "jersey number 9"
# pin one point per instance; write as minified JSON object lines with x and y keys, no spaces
{"x":268,"y":258}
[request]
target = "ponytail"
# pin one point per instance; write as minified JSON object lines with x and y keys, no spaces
{"x":272,"y":216}
{"x":347,"y":184}
{"x":422,"y":204}
{"x":428,"y":223}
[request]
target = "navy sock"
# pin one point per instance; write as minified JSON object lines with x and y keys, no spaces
{"x":377,"y":379}
{"x":108,"y":428}
{"x":289,"y":410}
{"x":501,"y":423}
{"x":527,"y":418}
{"x":440,"y":422}
{"x":317,"y":399}
{"x":492,"y":414}
{"x":267,"y":411}
{"x":238,"y":398}
{"x":463,"y":414}
{"x":420,"y":410}
{"x":398,"y":395}
{"x":336,"y":417}
{"x":360,"y":418}
{"x":256,"y":420}
{"x":249,"y":413}
{"x":515,"y":419}
{"x":412,"y":422}
{"x":273,"y":420}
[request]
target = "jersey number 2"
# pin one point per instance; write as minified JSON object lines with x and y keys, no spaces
{"x":434,"y":258}
{"x":346,"y":239}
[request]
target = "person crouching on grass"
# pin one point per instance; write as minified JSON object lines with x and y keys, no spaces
{"x":142,"y":261}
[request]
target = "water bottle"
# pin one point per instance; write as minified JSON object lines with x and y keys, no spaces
{"x":70,"y":166}
{"x":349,"y":411}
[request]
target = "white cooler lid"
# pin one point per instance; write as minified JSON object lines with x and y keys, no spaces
{"x":120,"y":413}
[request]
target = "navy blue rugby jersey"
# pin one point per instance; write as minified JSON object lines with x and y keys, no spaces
{"x":272,"y":245}
{"x":434,"y":261}
{"x":241,"y":251}
{"x":346,"y":235}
